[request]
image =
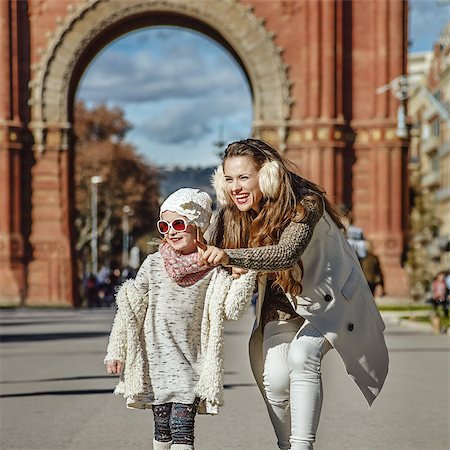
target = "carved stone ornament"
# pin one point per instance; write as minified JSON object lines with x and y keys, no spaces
{"x":55,"y":249}
{"x":234,"y":21}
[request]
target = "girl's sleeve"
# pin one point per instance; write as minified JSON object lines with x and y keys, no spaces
{"x":117,"y":345}
{"x":283,"y":255}
{"x":141,"y":281}
{"x":239,"y":295}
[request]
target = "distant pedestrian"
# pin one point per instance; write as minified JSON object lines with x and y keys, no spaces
{"x":354,"y":234}
{"x":447,"y":284}
{"x":127,"y":273}
{"x":91,"y":291}
{"x":439,"y":294}
{"x":108,"y":288}
{"x":167,"y":338}
{"x":372,"y":270}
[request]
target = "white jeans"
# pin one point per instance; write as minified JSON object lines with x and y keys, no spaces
{"x":292,"y":381}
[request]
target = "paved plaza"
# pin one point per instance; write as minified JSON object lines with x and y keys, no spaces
{"x":56,"y":394}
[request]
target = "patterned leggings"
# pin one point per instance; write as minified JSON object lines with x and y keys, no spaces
{"x":175,"y":422}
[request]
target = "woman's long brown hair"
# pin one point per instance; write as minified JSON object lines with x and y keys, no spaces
{"x":237,"y":229}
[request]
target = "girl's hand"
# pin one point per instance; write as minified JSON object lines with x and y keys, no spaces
{"x":211,"y":256}
{"x":236,"y":272}
{"x":114,"y":367}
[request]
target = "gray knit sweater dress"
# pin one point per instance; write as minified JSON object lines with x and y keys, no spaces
{"x":172,"y":332}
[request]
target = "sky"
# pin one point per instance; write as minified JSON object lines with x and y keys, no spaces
{"x":180,"y":90}
{"x":183,"y":93}
{"x":427,"y":19}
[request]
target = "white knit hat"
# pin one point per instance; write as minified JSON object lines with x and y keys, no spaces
{"x":193,"y":204}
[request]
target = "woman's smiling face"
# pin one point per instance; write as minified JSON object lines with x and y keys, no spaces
{"x":242,"y":180}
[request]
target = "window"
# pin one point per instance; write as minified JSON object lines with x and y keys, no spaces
{"x":435,"y":127}
{"x":434,"y":162}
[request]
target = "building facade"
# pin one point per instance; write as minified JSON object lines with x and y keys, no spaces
{"x":429,"y":109}
{"x":313,"y":68}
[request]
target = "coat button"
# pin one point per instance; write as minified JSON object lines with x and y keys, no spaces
{"x":350,"y":327}
{"x":328,"y":298}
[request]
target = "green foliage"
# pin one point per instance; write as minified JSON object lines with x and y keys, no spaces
{"x":445,"y":321}
{"x":423,"y":225}
{"x":409,"y":307}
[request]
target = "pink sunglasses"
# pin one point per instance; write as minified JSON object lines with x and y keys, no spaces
{"x":179,"y":224}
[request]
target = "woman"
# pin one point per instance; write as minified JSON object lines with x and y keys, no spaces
{"x":312,"y":295}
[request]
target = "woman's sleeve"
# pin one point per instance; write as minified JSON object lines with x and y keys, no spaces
{"x":293,"y":242}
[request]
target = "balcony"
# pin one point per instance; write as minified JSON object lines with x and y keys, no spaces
{"x":444,"y":149}
{"x":431,"y":180}
{"x":443,"y":194}
{"x":430,"y":144}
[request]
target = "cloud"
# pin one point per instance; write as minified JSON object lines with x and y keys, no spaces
{"x":171,"y":68}
{"x":141,"y":77}
{"x":177,"y":122}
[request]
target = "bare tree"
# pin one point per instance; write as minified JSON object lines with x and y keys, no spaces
{"x":127,"y":180}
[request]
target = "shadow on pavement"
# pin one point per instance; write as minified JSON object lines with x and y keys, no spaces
{"x":37,"y":322}
{"x":49,"y":393}
{"x":51,"y":336}
{"x":93,"y":391}
{"x":97,"y":377}
{"x":418,"y":350}
{"x":235,"y":385}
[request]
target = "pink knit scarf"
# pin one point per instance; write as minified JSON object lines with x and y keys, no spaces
{"x":185,"y":270}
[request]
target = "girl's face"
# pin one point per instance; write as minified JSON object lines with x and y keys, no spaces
{"x":242,"y":179}
{"x":181,"y":241}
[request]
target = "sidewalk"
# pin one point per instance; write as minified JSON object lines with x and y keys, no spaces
{"x":56,"y":395}
{"x":394,"y":318}
{"x":388,"y":300}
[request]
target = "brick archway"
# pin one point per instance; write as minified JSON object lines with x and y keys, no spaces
{"x":312,"y":98}
{"x":98,"y":21}
{"x":84,"y":32}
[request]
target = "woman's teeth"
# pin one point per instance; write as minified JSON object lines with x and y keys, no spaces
{"x":241,"y":198}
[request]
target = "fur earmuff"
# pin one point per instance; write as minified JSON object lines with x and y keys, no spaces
{"x":220,"y":186}
{"x":269,"y":179}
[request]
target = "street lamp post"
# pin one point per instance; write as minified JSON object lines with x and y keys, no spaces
{"x":95,"y":181}
{"x":401,"y":89}
{"x":127,"y":212}
{"x":220,"y":143}
{"x":108,"y":237}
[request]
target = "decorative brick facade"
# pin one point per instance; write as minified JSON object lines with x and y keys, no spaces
{"x":313,"y":67}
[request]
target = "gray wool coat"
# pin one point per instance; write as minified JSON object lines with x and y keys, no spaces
{"x":337,"y":301}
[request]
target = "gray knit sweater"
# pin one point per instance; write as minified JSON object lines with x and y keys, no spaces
{"x":283,"y":255}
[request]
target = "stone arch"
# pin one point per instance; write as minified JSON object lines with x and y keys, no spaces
{"x":338,"y":131}
{"x":87,"y":28}
{"x":227,"y":21}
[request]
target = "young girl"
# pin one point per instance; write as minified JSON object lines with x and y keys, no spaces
{"x":167,"y":337}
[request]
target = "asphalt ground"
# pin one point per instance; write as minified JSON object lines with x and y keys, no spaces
{"x":55,"y":393}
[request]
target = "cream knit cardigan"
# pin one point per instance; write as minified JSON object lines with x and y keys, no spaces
{"x":226,"y":298}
